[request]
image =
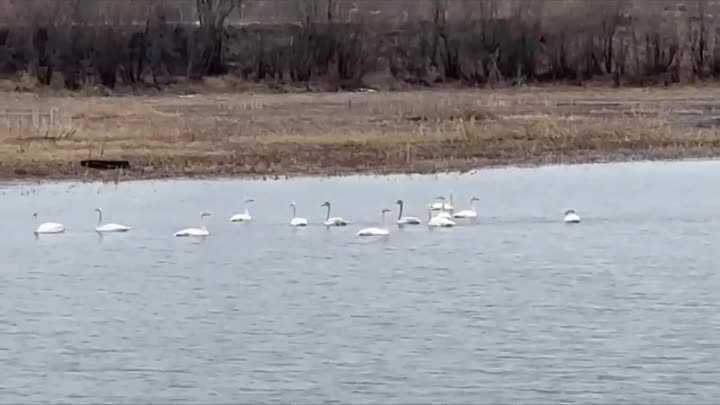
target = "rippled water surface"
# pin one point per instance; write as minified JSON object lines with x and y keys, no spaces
{"x":517,"y":307}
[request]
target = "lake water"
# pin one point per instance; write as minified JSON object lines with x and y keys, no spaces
{"x":517,"y":307}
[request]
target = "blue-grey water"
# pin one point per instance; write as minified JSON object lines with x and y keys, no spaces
{"x":516,"y":307}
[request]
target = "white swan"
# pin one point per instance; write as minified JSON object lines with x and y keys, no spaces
{"x":406,"y":220}
{"x":244,"y":216}
{"x":202,"y":231}
{"x":334,"y":221}
{"x":376,"y":231}
{"x":109,"y":227}
{"x":571,"y":217}
{"x":438,"y":221}
{"x":441,"y":205}
{"x":48,"y":227}
{"x":443,"y":209}
{"x":296,"y":221}
{"x":471,"y":213}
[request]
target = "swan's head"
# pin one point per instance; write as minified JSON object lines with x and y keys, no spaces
{"x":204,"y":214}
{"x":474,"y":199}
{"x":292,"y":204}
{"x":440,"y":198}
{"x":399,"y":202}
{"x":385,"y":211}
{"x":249,"y":200}
{"x":326,"y":204}
{"x":568,"y":212}
{"x":34,"y":214}
{"x":98,"y":210}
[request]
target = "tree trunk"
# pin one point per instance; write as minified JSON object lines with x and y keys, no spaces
{"x":212,"y":15}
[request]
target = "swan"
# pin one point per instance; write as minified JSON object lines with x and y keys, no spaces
{"x":444,"y":214}
{"x":296,"y":221}
{"x":109,"y":227}
{"x":445,"y":209}
{"x":376,"y":231}
{"x":405,"y":220}
{"x":438,"y":221}
{"x":441,"y":205}
{"x":48,"y":227}
{"x":244,"y":216}
{"x":202,"y":231}
{"x":471,"y":213}
{"x":571,"y":217}
{"x":334,"y":221}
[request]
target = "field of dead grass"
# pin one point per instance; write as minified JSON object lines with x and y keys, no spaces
{"x":340,"y":133}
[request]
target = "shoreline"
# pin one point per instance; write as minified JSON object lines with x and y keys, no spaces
{"x":11,"y":181}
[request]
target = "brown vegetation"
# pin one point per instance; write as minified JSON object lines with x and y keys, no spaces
{"x":335,"y":44}
{"x":340,"y":133}
{"x":171,"y":50}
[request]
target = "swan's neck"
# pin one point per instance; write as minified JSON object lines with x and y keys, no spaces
{"x":99,"y":218}
{"x":327,"y":217}
{"x":383,"y":220}
{"x":472,"y":205}
{"x":401,"y":211}
{"x":294,"y":211}
{"x":203,"y":228}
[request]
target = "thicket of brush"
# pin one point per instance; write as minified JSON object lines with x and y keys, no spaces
{"x":626,"y":41}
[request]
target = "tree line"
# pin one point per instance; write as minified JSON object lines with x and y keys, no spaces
{"x":478,"y":42}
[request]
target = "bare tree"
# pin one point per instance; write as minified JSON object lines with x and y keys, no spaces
{"x":212,"y":15}
{"x":697,"y":26}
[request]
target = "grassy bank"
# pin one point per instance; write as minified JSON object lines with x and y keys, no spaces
{"x":338,"y":133}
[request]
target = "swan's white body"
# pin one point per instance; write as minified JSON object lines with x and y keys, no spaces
{"x":242,"y":217}
{"x":297,"y":221}
{"x":373,"y":232}
{"x":405,"y":220}
{"x":571,"y":217}
{"x":50,"y":227}
{"x":332,"y":221}
{"x":376,"y":231}
{"x":440,"y":222}
{"x":441,"y":205}
{"x":109,"y":227}
{"x":409,"y":221}
{"x":471,"y":213}
{"x":465,"y":214}
{"x":112,"y":228}
{"x":444,"y":214}
{"x":335,"y":221}
{"x":202,"y":231}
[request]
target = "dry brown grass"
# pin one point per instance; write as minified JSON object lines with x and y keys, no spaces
{"x":336,"y":133}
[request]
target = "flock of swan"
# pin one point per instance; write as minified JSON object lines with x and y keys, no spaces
{"x":441,"y":214}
